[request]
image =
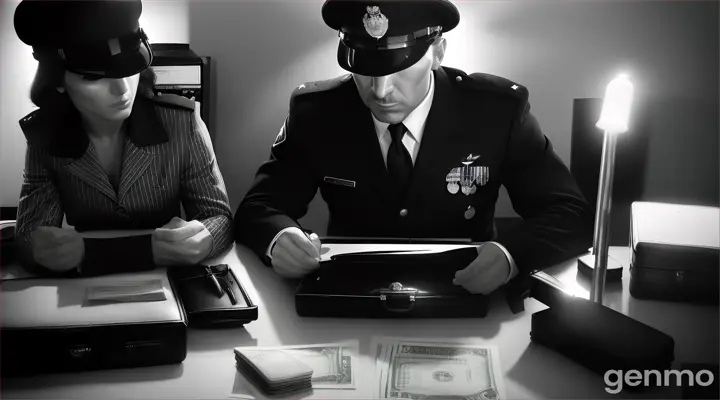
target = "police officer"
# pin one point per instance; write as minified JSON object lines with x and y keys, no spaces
{"x":107,"y":154}
{"x":405,"y":147}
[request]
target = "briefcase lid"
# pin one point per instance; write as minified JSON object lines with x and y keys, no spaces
{"x":675,"y":236}
{"x":62,"y":303}
{"x":426,"y":274}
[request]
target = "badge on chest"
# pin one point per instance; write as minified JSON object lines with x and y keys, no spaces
{"x":465,"y":177}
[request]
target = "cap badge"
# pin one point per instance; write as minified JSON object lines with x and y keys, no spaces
{"x":376,"y":24}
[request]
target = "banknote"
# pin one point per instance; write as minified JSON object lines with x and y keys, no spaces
{"x":333,"y":364}
{"x":421,"y":369}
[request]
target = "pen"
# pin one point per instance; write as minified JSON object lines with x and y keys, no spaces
{"x":215,"y":282}
{"x":230,"y":293}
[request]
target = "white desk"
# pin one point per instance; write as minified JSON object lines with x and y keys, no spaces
{"x":529,"y":370}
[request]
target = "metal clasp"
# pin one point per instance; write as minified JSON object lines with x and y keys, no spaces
{"x":679,"y":276}
{"x":398,"y":299}
{"x":80,"y":351}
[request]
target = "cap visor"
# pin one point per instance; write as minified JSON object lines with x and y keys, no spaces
{"x":122,"y":65}
{"x":379,"y":62}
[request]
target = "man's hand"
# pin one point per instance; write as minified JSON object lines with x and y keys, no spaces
{"x":295,"y":254}
{"x":57,"y":249}
{"x":181,"y":243}
{"x":487,"y":272}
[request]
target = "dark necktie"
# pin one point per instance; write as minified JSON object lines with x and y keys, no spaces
{"x":399,"y":163}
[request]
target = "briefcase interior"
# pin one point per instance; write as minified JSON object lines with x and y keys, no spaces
{"x":675,"y":252}
{"x":49,"y":326}
{"x":394,"y":286}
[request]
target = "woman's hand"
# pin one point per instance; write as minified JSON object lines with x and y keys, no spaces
{"x":181,"y":243}
{"x":57,"y":249}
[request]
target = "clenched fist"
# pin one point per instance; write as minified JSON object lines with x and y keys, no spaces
{"x":180,"y":242}
{"x":57,"y":249}
{"x":487,"y":272}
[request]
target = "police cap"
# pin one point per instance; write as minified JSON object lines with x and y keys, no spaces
{"x":99,"y":37}
{"x":381,"y":37}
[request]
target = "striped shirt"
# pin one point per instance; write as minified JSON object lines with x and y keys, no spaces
{"x":168,"y":161}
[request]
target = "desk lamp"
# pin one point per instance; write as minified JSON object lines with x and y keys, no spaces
{"x":613,"y":121}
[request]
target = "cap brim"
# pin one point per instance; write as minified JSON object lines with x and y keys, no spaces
{"x":120,"y":66}
{"x":380,"y":62}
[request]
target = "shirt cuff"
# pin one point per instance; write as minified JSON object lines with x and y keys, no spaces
{"x":272,"y":243}
{"x":513,"y":268}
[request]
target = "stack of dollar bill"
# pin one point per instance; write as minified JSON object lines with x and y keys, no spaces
{"x":287,"y":369}
{"x":407,"y":369}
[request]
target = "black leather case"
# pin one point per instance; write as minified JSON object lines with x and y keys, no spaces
{"x":600,"y":338}
{"x":671,"y":258}
{"x":32,"y":351}
{"x":204,"y":307}
{"x":390,"y":286}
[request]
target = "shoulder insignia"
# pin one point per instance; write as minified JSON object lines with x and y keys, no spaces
{"x":319,"y":86}
{"x":498,"y":84}
{"x":502,"y":86}
{"x":174,"y":100}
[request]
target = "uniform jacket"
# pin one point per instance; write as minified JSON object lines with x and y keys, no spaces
{"x":329,"y":135}
{"x":168,"y":161}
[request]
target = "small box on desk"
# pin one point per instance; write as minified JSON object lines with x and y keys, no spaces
{"x":675,"y":252}
{"x":54,"y":325}
{"x":391,"y":285}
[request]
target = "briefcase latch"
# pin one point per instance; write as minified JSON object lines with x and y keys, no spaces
{"x":398,"y":299}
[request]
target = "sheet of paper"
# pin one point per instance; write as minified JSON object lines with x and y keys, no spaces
{"x":110,"y":234}
{"x":128,"y":291}
{"x":332,"y":249}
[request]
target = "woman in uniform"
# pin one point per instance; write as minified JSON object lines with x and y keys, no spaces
{"x":106,"y":154}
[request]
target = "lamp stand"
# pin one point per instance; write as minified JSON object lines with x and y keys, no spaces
{"x":602,"y":218}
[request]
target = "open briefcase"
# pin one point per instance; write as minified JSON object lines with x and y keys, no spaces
{"x":391,"y":284}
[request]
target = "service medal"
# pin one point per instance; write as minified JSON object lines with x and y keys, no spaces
{"x":376,"y":24}
{"x":452,"y":178}
{"x":466,"y":176}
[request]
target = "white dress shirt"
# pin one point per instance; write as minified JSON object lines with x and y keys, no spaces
{"x":415,"y":124}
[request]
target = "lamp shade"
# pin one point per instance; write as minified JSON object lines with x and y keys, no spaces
{"x":616,"y":106}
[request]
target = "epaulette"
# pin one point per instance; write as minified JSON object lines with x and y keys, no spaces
{"x":35,"y":128}
{"x":318,"y":87}
{"x":495,"y":84}
{"x":174,"y":100}
{"x":28,"y":120}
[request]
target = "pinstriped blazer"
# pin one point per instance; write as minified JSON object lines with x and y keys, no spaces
{"x":168,"y":161}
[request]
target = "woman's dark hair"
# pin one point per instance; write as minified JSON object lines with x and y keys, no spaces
{"x":50,"y":75}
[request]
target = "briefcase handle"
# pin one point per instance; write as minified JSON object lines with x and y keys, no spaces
{"x":396,"y":298}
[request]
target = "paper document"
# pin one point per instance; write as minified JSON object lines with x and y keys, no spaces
{"x":128,"y":291}
{"x":329,"y":250}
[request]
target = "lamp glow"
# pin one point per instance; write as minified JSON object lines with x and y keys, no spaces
{"x":616,"y":106}
{"x":613,"y":120}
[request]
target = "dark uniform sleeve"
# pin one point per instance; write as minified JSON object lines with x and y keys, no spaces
{"x":557,"y":220}
{"x":283,"y":188}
